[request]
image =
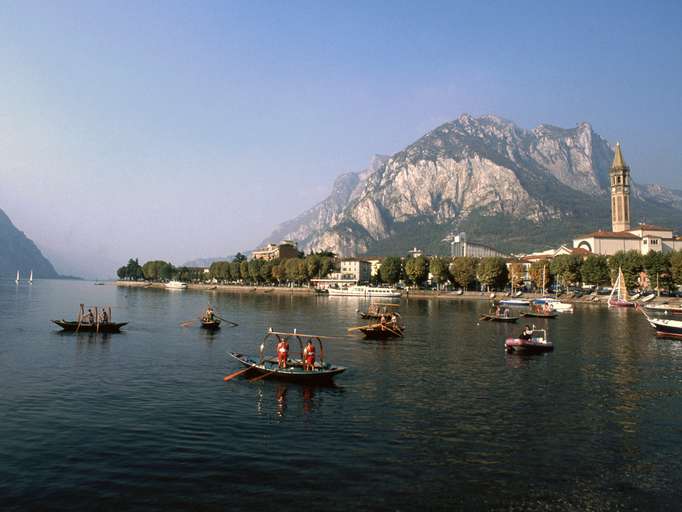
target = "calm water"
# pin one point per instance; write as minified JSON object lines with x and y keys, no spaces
{"x":442,"y":419}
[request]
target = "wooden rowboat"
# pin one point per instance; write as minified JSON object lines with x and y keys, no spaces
{"x":210,"y":325}
{"x":494,"y":318}
{"x":535,"y":314}
{"x":72,"y":326}
{"x":264,"y":367}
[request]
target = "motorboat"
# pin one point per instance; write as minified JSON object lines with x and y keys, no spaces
{"x":175,"y":285}
{"x":537,"y":343}
{"x":554,"y":304}
{"x":364,"y":291}
{"x":519,"y":303}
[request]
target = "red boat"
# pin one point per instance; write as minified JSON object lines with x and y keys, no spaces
{"x":536,"y":344}
{"x":619,"y":294}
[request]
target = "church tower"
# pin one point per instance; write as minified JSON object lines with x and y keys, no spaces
{"x":620,"y":192}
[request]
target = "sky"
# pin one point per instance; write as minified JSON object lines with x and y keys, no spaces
{"x":176,"y":130}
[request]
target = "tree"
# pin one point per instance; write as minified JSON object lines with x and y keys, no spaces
{"x":676,"y":267}
{"x":122,"y":273}
{"x":417,"y":270}
{"x":657,"y":267}
{"x":566,"y":269}
{"x":326,"y":265}
{"x":492,"y":272}
{"x":244,"y":270}
{"x":390,"y":270}
{"x":463,"y":271}
{"x":631,"y":263}
{"x":239,"y":257}
{"x":254,"y":270}
{"x":439,"y":270}
{"x":235,"y":270}
{"x":595,"y":270}
{"x":516,"y":274}
{"x":266,"y":271}
{"x":540,"y":275}
{"x":313,"y":263}
{"x":134,"y":270}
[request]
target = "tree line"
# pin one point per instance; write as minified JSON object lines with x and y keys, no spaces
{"x":490,"y":273}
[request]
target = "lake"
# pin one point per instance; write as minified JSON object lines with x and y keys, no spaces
{"x":442,"y":419}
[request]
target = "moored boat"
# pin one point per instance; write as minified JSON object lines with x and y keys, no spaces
{"x":294,"y":370}
{"x":175,"y":285}
{"x":647,"y":298}
{"x":364,"y":291}
{"x":540,"y":314}
{"x":619,"y":295}
{"x":555,"y":304}
{"x":666,"y":309}
{"x":537,"y":343}
{"x":522,"y":303}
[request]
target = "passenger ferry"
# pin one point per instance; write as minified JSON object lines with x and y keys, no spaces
{"x":365,"y":291}
{"x":175,"y":285}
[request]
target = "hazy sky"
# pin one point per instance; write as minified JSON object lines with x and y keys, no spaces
{"x":176,"y":130}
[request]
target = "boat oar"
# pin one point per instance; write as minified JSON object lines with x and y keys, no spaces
{"x":236,"y":374}
{"x":188,"y":323}
{"x":260,"y":377}
{"x":351,"y":329}
{"x":234,"y":324}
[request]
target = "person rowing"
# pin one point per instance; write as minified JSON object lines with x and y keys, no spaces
{"x":209,"y":315}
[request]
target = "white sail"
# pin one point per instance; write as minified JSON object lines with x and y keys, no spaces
{"x":30,"y":277}
{"x":17,"y":279}
{"x":620,"y":291}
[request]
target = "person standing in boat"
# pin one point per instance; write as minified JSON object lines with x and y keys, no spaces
{"x":104,"y":317}
{"x":309,"y":356}
{"x":282,"y":352}
{"x":90,"y":317}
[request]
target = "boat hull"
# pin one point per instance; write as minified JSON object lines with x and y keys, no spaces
{"x":532,"y":314}
{"x":662,"y":308}
{"x":377,"y":333}
{"x":103,"y":328}
{"x":364,"y":291}
{"x":621,"y":304}
{"x":519,"y":303}
{"x":210,"y":326}
{"x":290,"y":374}
{"x":516,"y":345}
{"x":505,"y":319}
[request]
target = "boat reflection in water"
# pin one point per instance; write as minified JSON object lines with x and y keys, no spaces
{"x":275,"y":398}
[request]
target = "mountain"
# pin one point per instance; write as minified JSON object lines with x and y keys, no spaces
{"x":508,"y":187}
{"x":206,"y":262}
{"x":20,"y":253}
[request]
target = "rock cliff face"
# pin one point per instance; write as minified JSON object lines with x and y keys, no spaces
{"x":17,"y":252}
{"x":506,"y":186}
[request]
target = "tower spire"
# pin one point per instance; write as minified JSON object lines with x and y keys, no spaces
{"x":618,"y":158}
{"x":619,"y":176}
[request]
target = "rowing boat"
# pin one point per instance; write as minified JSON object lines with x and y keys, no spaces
{"x":294,"y":371}
{"x":104,"y":327}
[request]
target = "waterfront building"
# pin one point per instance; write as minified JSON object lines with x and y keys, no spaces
{"x":644,"y":238}
{"x":352,"y":271}
{"x":283,"y":250}
{"x":460,"y":246}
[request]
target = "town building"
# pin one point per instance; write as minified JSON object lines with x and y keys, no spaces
{"x":460,"y":246}
{"x":285,"y":249}
{"x":351,"y":271}
{"x":644,"y":238}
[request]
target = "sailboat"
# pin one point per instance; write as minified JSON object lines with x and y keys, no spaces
{"x":619,"y":294}
{"x":17,"y":279}
{"x":30,"y":278}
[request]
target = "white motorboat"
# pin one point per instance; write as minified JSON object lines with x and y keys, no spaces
{"x":555,"y":304}
{"x":364,"y":291}
{"x":175,"y":285}
{"x":520,"y":303}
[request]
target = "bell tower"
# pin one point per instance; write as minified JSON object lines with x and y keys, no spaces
{"x":620,"y":192}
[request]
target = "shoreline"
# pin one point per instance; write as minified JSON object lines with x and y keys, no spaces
{"x":407,"y":294}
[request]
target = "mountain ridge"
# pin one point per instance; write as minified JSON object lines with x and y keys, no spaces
{"x":20,"y":253}
{"x":485,"y":175}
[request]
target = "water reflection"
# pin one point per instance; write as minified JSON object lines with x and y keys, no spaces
{"x":277,"y":398}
